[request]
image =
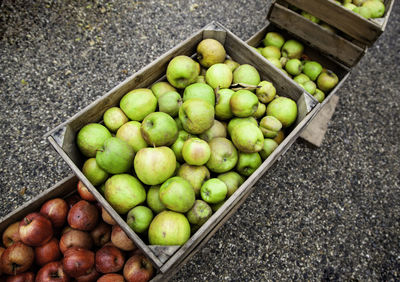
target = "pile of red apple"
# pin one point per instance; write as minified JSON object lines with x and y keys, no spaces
{"x":70,"y":239}
{"x":170,"y":155}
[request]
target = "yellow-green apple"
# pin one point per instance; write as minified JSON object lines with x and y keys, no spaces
{"x":274,"y":39}
{"x":260,"y":111}
{"x":327,"y":80}
{"x":235,"y":121}
{"x":268,"y":147}
{"x":223,"y":157}
{"x":169,"y":228}
{"x":137,"y":268}
{"x":201,"y":79}
{"x":178,"y":144}
{"x":216,"y":130}
{"x":319,"y":95}
{"x":154,"y":165}
{"x":301,"y":78}
{"x":196,"y":115}
{"x":246,"y":74}
{"x":223,"y":108}
{"x":270,"y":126}
{"x":161,"y":87}
{"x":201,"y":91}
{"x":284,"y":109}
{"x":130,"y":133}
{"x":159,"y":129}
{"x":114,"y":118}
{"x":178,"y":123}
{"x":35,"y":229}
{"x":266,"y":92}
{"x":292,"y":49}
{"x":93,"y":172}
{"x":219,"y":76}
{"x":232,"y":180}
{"x":170,"y":103}
{"x":199,"y":213}
{"x":244,"y":103}
{"x":310,"y":17}
{"x":83,"y":216}
{"x":138,"y":103}
{"x":280,"y":137}
{"x":210,"y":52}
{"x":196,"y":151}
{"x":247,"y":137}
{"x":376,"y":7}
{"x":182,"y":71}
{"x":153,"y":199}
{"x":309,"y":86}
{"x":139,"y":218}
{"x":177,"y":194}
{"x":231,"y":64}
{"x":294,"y":66}
{"x":91,"y":137}
{"x":276,"y":62}
{"x":196,"y":175}
{"x":248,"y":163}
{"x":124,"y":191}
{"x":271,"y":52}
{"x":213,"y":191}
{"x":17,"y":258}
{"x":115,"y":156}
{"x":312,"y":69}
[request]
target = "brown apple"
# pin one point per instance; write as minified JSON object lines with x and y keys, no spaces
{"x":107,"y":217}
{"x":75,"y":238}
{"x":35,"y":229}
{"x":1,"y":252}
{"x":84,"y":192}
{"x":52,"y":272}
{"x":121,"y":240}
{"x":17,"y":258}
{"x":11,"y":234}
{"x":83,"y":216}
{"x":22,"y":277}
{"x":48,"y":252}
{"x":90,"y":277}
{"x":56,"y":210}
{"x":78,"y":262}
{"x":111,"y":277}
{"x":138,"y":268}
{"x":101,"y":234}
{"x":109,"y":259}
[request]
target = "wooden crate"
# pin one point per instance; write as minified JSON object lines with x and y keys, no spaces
{"x":365,"y":31}
{"x":167,"y":259}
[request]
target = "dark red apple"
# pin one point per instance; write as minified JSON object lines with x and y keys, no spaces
{"x":83,"y":216}
{"x":78,"y":261}
{"x":107,"y":217}
{"x":121,"y":240}
{"x":1,"y":252}
{"x":17,"y":258}
{"x":11,"y":234}
{"x":35,"y":229}
{"x":72,"y":200}
{"x":90,"y":277}
{"x":85,"y":193}
{"x":56,"y":210}
{"x":22,"y":277}
{"x":111,"y":277}
{"x":101,"y":234}
{"x":109,"y":259}
{"x":138,"y":268}
{"x":48,"y":252}
{"x":75,"y":238}
{"x":52,"y":272}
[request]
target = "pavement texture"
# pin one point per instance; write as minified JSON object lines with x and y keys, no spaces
{"x":329,"y":213}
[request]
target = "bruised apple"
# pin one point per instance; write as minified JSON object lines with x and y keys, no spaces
{"x":52,"y":272}
{"x":78,"y":261}
{"x":17,"y":258}
{"x":83,"y":216}
{"x":56,"y":210}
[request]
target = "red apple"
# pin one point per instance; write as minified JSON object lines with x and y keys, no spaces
{"x":75,"y":238}
{"x":35,"y":229}
{"x":107,"y":217}
{"x":72,"y":200}
{"x":121,"y":240}
{"x":48,"y":252}
{"x":17,"y":258}
{"x":83,"y":216}
{"x":109,"y":259}
{"x":138,"y":268}
{"x":101,"y":234}
{"x":22,"y":277}
{"x":111,"y":277}
{"x":78,"y":261}
{"x":11,"y":234}
{"x":56,"y":210}
{"x":85,"y":193}
{"x":90,"y":277}
{"x":52,"y":272}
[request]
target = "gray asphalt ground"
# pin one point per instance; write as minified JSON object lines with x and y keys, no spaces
{"x":329,"y":213}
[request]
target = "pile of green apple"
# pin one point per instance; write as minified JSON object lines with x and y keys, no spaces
{"x":288,"y":56}
{"x":170,"y":155}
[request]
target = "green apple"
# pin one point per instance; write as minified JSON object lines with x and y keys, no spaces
{"x":130,"y":133}
{"x":154,"y":165}
{"x":363,"y":11}
{"x":138,"y":103}
{"x":294,"y":66}
{"x":312,"y":69}
{"x":201,"y":91}
{"x":210,"y":52}
{"x":327,"y":80}
{"x":114,"y":118}
{"x":376,"y":7}
{"x":196,"y":115}
{"x":301,"y":78}
{"x":169,"y":228}
{"x":182,"y":71}
{"x":91,"y":137}
{"x":231,"y":64}
{"x":223,"y":108}
{"x":216,"y":130}
{"x":178,"y":144}
{"x":266,"y":93}
{"x":139,"y":218}
{"x":219,"y":76}
{"x":284,"y":109}
{"x":161,"y":87}
{"x":123,"y":192}
{"x":170,"y":103}
{"x":235,"y":121}
{"x":246,"y":74}
{"x":268,"y":147}
{"x":178,"y":123}
{"x":224,"y":155}
{"x":248,"y":163}
{"x":199,"y":213}
{"x":349,"y":6}
{"x":196,"y":175}
{"x":93,"y":172}
{"x":309,"y":86}
{"x":153,"y":199}
{"x":270,"y":126}
{"x":260,"y":111}
{"x":115,"y":156}
{"x":271,"y":52}
{"x":310,"y":17}
{"x":213,"y":191}
{"x":274,"y":39}
{"x":247,"y":137}
{"x":244,"y":103}
{"x":232,"y":180}
{"x":319,"y":95}
{"x":196,"y":151}
{"x":292,"y":49}
{"x":177,"y":194}
{"x":159,"y":129}
{"x":215,"y":207}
